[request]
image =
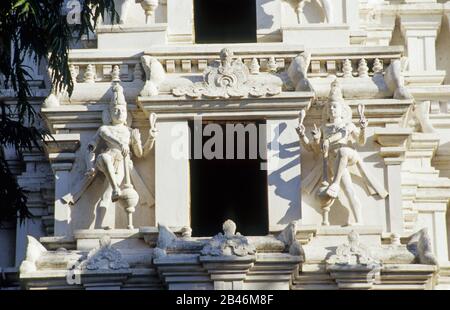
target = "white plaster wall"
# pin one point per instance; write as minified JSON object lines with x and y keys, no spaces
{"x":172,"y":194}
{"x":442,"y":50}
{"x":283,"y":173}
{"x":268,"y":17}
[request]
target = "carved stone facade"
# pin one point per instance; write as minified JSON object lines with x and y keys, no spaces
{"x":354,"y":98}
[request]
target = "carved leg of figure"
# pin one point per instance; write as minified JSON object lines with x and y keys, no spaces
{"x":348,"y":187}
{"x":107,"y":167}
{"x":341,"y":168}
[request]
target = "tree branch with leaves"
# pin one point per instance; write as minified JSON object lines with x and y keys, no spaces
{"x":40,"y":31}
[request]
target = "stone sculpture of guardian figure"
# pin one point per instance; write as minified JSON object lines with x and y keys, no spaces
{"x":109,"y":153}
{"x":334,"y":141}
{"x":119,"y":139}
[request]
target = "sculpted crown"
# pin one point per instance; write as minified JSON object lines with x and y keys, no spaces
{"x":118,"y":98}
{"x":335,"y":94}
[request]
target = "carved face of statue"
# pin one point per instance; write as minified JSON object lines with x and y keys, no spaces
{"x":118,"y":114}
{"x":335,"y":111}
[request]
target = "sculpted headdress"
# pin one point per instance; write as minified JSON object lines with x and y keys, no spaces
{"x":335,"y":96}
{"x":117,"y":99}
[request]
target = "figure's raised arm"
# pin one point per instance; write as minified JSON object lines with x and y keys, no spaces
{"x":314,"y":145}
{"x":360,"y":134}
{"x":138,"y":149}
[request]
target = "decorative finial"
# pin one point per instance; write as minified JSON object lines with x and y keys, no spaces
{"x":272,"y":65}
{"x":254,"y":66}
{"x":377,"y":66}
{"x":363,"y":69}
{"x":347,"y":68}
{"x":89,"y":74}
{"x":229,"y":228}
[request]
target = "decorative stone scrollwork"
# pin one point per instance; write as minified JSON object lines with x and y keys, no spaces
{"x":103,"y":257}
{"x":298,"y":72}
{"x":353,"y":253}
{"x":353,"y":267}
{"x":228,"y":80}
{"x":154,"y":75}
{"x":230,"y":243}
{"x":34,"y":251}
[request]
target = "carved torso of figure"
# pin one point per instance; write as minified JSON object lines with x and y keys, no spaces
{"x":121,"y":133}
{"x":340,"y":137}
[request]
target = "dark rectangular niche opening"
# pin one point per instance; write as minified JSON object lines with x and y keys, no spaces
{"x":224,"y":189}
{"x":225,"y":21}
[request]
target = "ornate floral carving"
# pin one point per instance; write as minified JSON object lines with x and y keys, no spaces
{"x":103,"y":257}
{"x":228,"y":80}
{"x":229,"y":243}
{"x":353,"y":253}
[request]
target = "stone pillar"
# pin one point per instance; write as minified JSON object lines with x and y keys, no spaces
{"x":420,"y":32}
{"x":395,"y":215}
{"x":61,"y":154}
{"x":172,"y":195}
{"x":440,"y":232}
{"x":283,"y":173}
{"x":393,"y":142}
{"x":180,"y":16}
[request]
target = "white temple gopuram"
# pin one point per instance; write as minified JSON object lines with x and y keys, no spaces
{"x":336,"y":175}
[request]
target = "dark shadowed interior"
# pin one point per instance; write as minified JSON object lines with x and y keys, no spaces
{"x":224,"y":189}
{"x":225,"y":21}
